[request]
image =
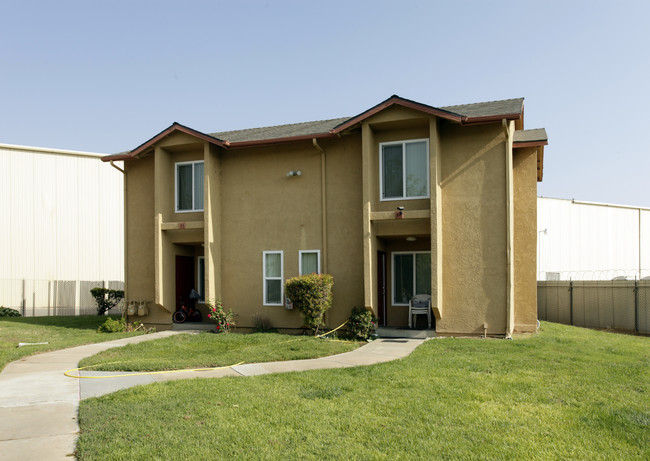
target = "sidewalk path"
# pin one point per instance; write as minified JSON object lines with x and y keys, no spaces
{"x":39,"y":405}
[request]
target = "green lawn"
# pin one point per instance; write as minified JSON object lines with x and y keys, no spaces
{"x":212,"y":350}
{"x":59,"y":332}
{"x":566,"y":393}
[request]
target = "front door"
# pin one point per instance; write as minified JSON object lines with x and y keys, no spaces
{"x":184,"y":279}
{"x":381,"y":287}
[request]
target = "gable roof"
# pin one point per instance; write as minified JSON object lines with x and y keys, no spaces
{"x":483,"y":112}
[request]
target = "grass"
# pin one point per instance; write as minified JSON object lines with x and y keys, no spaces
{"x":564,"y":393}
{"x":58,"y":332}
{"x":212,"y":350}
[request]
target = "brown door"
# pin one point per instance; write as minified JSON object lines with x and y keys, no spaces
{"x":184,"y":279}
{"x":381,"y":287}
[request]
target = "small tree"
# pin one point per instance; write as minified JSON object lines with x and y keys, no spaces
{"x":106,"y":299}
{"x":312,"y":296}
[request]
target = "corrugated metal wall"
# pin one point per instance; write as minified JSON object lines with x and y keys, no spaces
{"x":61,"y":228}
{"x":582,"y":241}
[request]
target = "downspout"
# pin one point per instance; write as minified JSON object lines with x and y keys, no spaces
{"x":117,"y":167}
{"x":323,"y":185}
{"x":124,"y":236}
{"x":510,"y":301}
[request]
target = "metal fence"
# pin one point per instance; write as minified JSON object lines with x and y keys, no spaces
{"x":36,"y":298}
{"x":614,"y":304}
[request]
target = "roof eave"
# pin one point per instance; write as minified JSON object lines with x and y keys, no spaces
{"x":163,"y":134}
{"x":115,"y":157}
{"x":489,"y":118}
{"x":522,"y":144}
{"x":262,"y":142}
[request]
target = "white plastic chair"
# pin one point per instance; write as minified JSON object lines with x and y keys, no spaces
{"x":420,"y":304}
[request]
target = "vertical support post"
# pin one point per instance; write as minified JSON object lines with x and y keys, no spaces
{"x":77,"y":307}
{"x":212,"y":216}
{"x":367,"y":150}
{"x":571,"y":302}
{"x":639,"y":247}
{"x":636,"y":305}
{"x":509,"y":128}
{"x":435,"y":207}
{"x":23,"y":298}
{"x":55,"y":295}
{"x":158,"y":260}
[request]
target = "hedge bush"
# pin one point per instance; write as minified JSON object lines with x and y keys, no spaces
{"x":362,"y":323}
{"x":312,"y":296}
{"x":112,"y":326}
{"x":9,"y":312}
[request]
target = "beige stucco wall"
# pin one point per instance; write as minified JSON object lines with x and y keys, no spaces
{"x":474,"y":260}
{"x":394,"y":124}
{"x":264,"y":210}
{"x":139,"y":236}
{"x":252,"y":206}
{"x":525,"y":239}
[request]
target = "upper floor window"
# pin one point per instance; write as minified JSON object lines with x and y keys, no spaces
{"x":189,"y":186}
{"x":404,"y":169}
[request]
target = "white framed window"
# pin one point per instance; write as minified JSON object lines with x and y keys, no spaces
{"x":404,"y":169}
{"x":189,"y":186}
{"x":273,"y":275}
{"x":309,"y":262}
{"x":411,"y":275}
{"x":200,"y":274}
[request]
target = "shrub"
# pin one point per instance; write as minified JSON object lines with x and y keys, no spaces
{"x":362,"y":323}
{"x":9,"y":312}
{"x":112,"y":326}
{"x":106,"y":299}
{"x":223,"y":318}
{"x":120,"y":325}
{"x":312,"y":296}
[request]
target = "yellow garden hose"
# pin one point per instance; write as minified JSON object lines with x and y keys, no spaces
{"x":78,"y":375}
{"x":67,"y":373}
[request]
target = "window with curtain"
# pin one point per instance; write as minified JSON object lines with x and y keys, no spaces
{"x":404,"y":169}
{"x":309,"y":262}
{"x":272,"y":270}
{"x":189,"y":186}
{"x":411,"y":273}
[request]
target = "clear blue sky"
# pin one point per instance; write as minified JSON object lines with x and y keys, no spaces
{"x":107,"y":76}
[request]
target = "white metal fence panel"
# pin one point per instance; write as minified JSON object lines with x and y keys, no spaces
{"x":33,"y":298}
{"x":643,"y":309}
{"x":621,"y":305}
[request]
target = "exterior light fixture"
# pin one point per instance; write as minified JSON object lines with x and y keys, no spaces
{"x":411,"y":239}
{"x":294,"y":173}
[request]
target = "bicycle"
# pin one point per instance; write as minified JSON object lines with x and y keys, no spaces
{"x":186,"y":313}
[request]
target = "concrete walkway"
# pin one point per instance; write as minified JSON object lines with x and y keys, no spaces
{"x":39,"y":405}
